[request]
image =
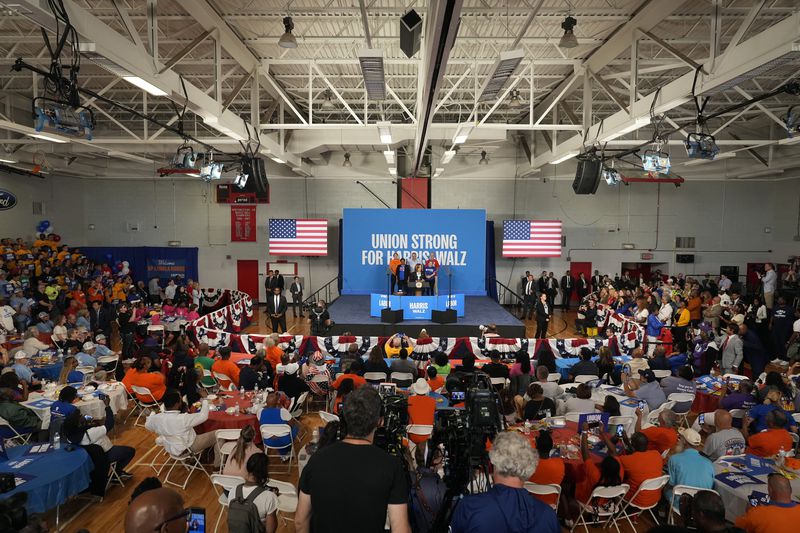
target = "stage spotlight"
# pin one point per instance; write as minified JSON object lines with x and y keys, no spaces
{"x":515,"y":102}
{"x":347,"y":162}
{"x":484,"y":160}
{"x":656,"y":161}
{"x":611,"y":176}
{"x":568,"y":40}
{"x":701,"y":146}
{"x":287,"y":40}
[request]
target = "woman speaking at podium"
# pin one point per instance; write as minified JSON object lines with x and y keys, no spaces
{"x":417,"y":276}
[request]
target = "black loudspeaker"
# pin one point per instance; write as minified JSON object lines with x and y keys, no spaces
{"x":260,"y":176}
{"x":391,"y":316}
{"x":587,"y":177}
{"x":732,"y":272}
{"x":410,"y":33}
{"x":444,"y":317}
{"x":684,"y":258}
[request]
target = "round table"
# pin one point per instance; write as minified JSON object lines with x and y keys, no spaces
{"x":89,"y":403}
{"x":705,"y":402}
{"x":50,"y":478}
{"x":49,"y":372}
{"x":222,"y":420}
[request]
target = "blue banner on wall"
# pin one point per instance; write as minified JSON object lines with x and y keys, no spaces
{"x":372,"y":236}
{"x":416,"y":307}
{"x":158,"y":267}
{"x":148,"y":261}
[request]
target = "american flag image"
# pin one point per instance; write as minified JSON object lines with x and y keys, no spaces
{"x":289,"y":236}
{"x":531,"y":238}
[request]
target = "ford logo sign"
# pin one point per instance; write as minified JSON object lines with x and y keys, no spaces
{"x":7,"y":200}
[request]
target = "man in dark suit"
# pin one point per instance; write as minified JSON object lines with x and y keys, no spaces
{"x":276,"y":309}
{"x":542,"y":316}
{"x":583,"y":286}
{"x":529,"y":297}
{"x":100,"y":319}
{"x":552,"y":291}
{"x":276,"y":281}
{"x":567,"y":286}
{"x":524,"y":281}
{"x":597,"y":281}
{"x":296,"y":288}
{"x":541,"y":283}
{"x":268,"y":282}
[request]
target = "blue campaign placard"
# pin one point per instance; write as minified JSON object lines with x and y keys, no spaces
{"x":372,"y":236}
{"x":416,"y":307}
{"x":593,"y":418}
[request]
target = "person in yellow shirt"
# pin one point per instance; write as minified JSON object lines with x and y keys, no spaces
{"x":682,"y":319}
{"x":780,"y":515}
{"x":118,"y":292}
{"x":63,"y":255}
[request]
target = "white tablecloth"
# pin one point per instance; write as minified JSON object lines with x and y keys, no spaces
{"x":736,"y":499}
{"x":91,"y":406}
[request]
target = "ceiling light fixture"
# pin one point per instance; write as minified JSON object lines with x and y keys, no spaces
{"x":462,"y":133}
{"x":568,"y":40}
{"x":287,"y":40}
{"x":389,"y":155}
{"x":371,"y":60}
{"x":448,"y":156}
{"x":438,"y":172}
{"x":12,"y":161}
{"x":347,"y":162}
{"x":48,"y":138}
{"x":89,"y":51}
{"x":484,"y":160}
{"x":393,"y":171}
{"x":501,"y":71}
{"x":144,"y":85}
{"x":385,"y":132}
{"x":515,"y":102}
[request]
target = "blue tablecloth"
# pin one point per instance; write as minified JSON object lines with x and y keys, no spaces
{"x":56,"y":476}
{"x":48,"y":372}
{"x":563,"y":364}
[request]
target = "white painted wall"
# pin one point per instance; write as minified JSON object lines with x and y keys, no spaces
{"x":727,"y":218}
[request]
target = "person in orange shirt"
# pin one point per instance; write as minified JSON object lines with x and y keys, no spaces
{"x":351,"y":374}
{"x":421,"y":409}
{"x":435,"y":381}
{"x":393,"y":264}
{"x":640,"y":465}
{"x":140,"y":376}
{"x":695,"y":306}
{"x":225,"y":366}
{"x":550,"y":470}
{"x":608,"y":474}
{"x":95,"y":292}
{"x":272,"y":352}
{"x":770,"y":441}
{"x":662,"y":437}
{"x":780,"y":515}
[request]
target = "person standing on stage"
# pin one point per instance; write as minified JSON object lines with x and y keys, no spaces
{"x":431,"y":271}
{"x":276,"y":309}
{"x":268,"y":282}
{"x":296,"y":289}
{"x":529,"y":297}
{"x":402,"y":273}
{"x":393,"y":264}
{"x":417,"y":275}
{"x":278,"y":280}
{"x":542,"y":316}
{"x":567,"y":286}
{"x":552,"y":291}
{"x":413,"y":261}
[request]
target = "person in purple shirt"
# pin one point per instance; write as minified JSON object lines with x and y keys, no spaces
{"x":739,"y":399}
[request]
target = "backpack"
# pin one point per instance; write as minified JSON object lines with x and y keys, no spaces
{"x":243,"y":516}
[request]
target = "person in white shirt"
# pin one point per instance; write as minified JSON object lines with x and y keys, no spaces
{"x":724,"y":283}
{"x":769,"y":281}
{"x":169,"y":291}
{"x":666,"y":310}
{"x":32,"y":345}
{"x":265,"y":500}
{"x":6,"y":316}
{"x":550,"y":388}
{"x":582,"y":403}
{"x":175,"y":429}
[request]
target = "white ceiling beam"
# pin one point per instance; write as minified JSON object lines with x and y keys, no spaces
{"x":127,"y":23}
{"x":338,"y":95}
{"x":185,"y":51}
{"x":742,"y":29}
{"x":405,"y":109}
{"x":774,"y":42}
{"x":671,"y":49}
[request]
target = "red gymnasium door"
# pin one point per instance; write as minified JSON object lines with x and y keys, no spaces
{"x":575,"y":268}
{"x":247,"y":277}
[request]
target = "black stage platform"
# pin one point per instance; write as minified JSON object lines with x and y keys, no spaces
{"x":351,"y":313}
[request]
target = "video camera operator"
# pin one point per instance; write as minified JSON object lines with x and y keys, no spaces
{"x":349,"y":485}
{"x":319,"y":318}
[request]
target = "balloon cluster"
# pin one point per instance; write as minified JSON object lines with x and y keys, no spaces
{"x":45,"y":227}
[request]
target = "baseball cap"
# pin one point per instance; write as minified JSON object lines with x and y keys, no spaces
{"x":691,"y":436}
{"x":88,"y":345}
{"x":20,"y":355}
{"x":100,"y":337}
{"x":648,"y":374}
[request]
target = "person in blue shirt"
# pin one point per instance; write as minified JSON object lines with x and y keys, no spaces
{"x":100,"y":348}
{"x":64,"y":406}
{"x":68,"y":373}
{"x":86,"y":356}
{"x":507,"y":506}
{"x":22,"y":370}
{"x":758,"y":414}
{"x":687,"y":467}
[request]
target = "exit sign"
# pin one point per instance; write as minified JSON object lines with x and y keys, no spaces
{"x":646,"y":256}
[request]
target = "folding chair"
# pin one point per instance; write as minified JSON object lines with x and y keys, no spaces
{"x":677,"y":492}
{"x":113,"y":476}
{"x":328,"y":417}
{"x":158,"y":330}
{"x":585,"y":379}
{"x":273,"y":431}
{"x":296,"y":407}
{"x":554,"y":377}
{"x":87,"y":371}
{"x":212,"y":387}
{"x":661,"y":374}
{"x":222,"y":379}
{"x":227,"y":484}
{"x":375,"y":377}
{"x":287,"y":498}
{"x":190,"y":461}
{"x":143,"y":405}
{"x":685,"y":398}
{"x":601,"y":493}
{"x":403,"y":379}
{"x":105,"y":360}
{"x":545,"y":490}
{"x":652,"y":417}
{"x":499,"y":381}
{"x":656,"y":483}
{"x":226,"y":442}
{"x":625,"y":421}
{"x":320,"y":378}
{"x":14,"y":436}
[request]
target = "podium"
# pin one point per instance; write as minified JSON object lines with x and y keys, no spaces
{"x":418,"y":288}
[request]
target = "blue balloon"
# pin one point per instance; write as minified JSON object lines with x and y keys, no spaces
{"x":45,"y":223}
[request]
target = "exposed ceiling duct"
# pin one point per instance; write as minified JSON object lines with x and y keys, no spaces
{"x":371,"y":61}
{"x":501,"y":71}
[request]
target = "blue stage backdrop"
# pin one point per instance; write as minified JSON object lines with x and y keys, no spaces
{"x":371,"y":236}
{"x":148,"y":261}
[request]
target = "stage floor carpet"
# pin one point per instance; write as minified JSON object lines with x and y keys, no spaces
{"x":351,"y":313}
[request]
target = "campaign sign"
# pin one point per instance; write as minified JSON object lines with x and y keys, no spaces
{"x":457,"y":238}
{"x":591,"y":419}
{"x":165,"y":268}
{"x":416,"y":307}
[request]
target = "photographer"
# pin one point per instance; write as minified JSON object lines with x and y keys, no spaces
{"x":507,"y":506}
{"x":354,"y":470}
{"x":319,"y":318}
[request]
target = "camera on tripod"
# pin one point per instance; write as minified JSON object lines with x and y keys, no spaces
{"x":390,"y":436}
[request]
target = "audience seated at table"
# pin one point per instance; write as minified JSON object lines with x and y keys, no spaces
{"x":68,"y":373}
{"x":771,"y":403}
{"x":18,"y":388}
{"x":645,"y":388}
{"x":139,"y":375}
{"x":23,"y":419}
{"x":609,"y":473}
{"x":581,"y":403}
{"x":495,"y":368}
{"x":315,"y":366}
{"x":435,"y":381}
{"x":175,"y":431}
{"x":442,"y":365}
{"x":789,"y":395}
{"x":740,"y":398}
{"x":273,"y":413}
{"x":421,"y":408}
{"x":255,"y":489}
{"x":289,"y":382}
{"x":723,"y":439}
{"x":353,"y":373}
{"x":638,"y":362}
{"x":521,"y":373}
{"x":584,"y":367}
{"x":205,"y":361}
{"x":662,"y":437}
{"x":225,"y":366}
{"x":376,"y":362}
{"x":272,"y":352}
{"x":23,"y":371}
{"x":772,"y":440}
{"x":403,"y":365}
{"x":31,"y":344}
{"x":257,"y":374}
{"x":538,"y":406}
{"x":782,"y":513}
{"x":549,"y":470}
{"x":639,"y":465}
{"x":236,"y":464}
{"x":544,"y":357}
{"x":686,"y":466}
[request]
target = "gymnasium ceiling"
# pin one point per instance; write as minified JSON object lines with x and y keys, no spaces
{"x":310,"y":101}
